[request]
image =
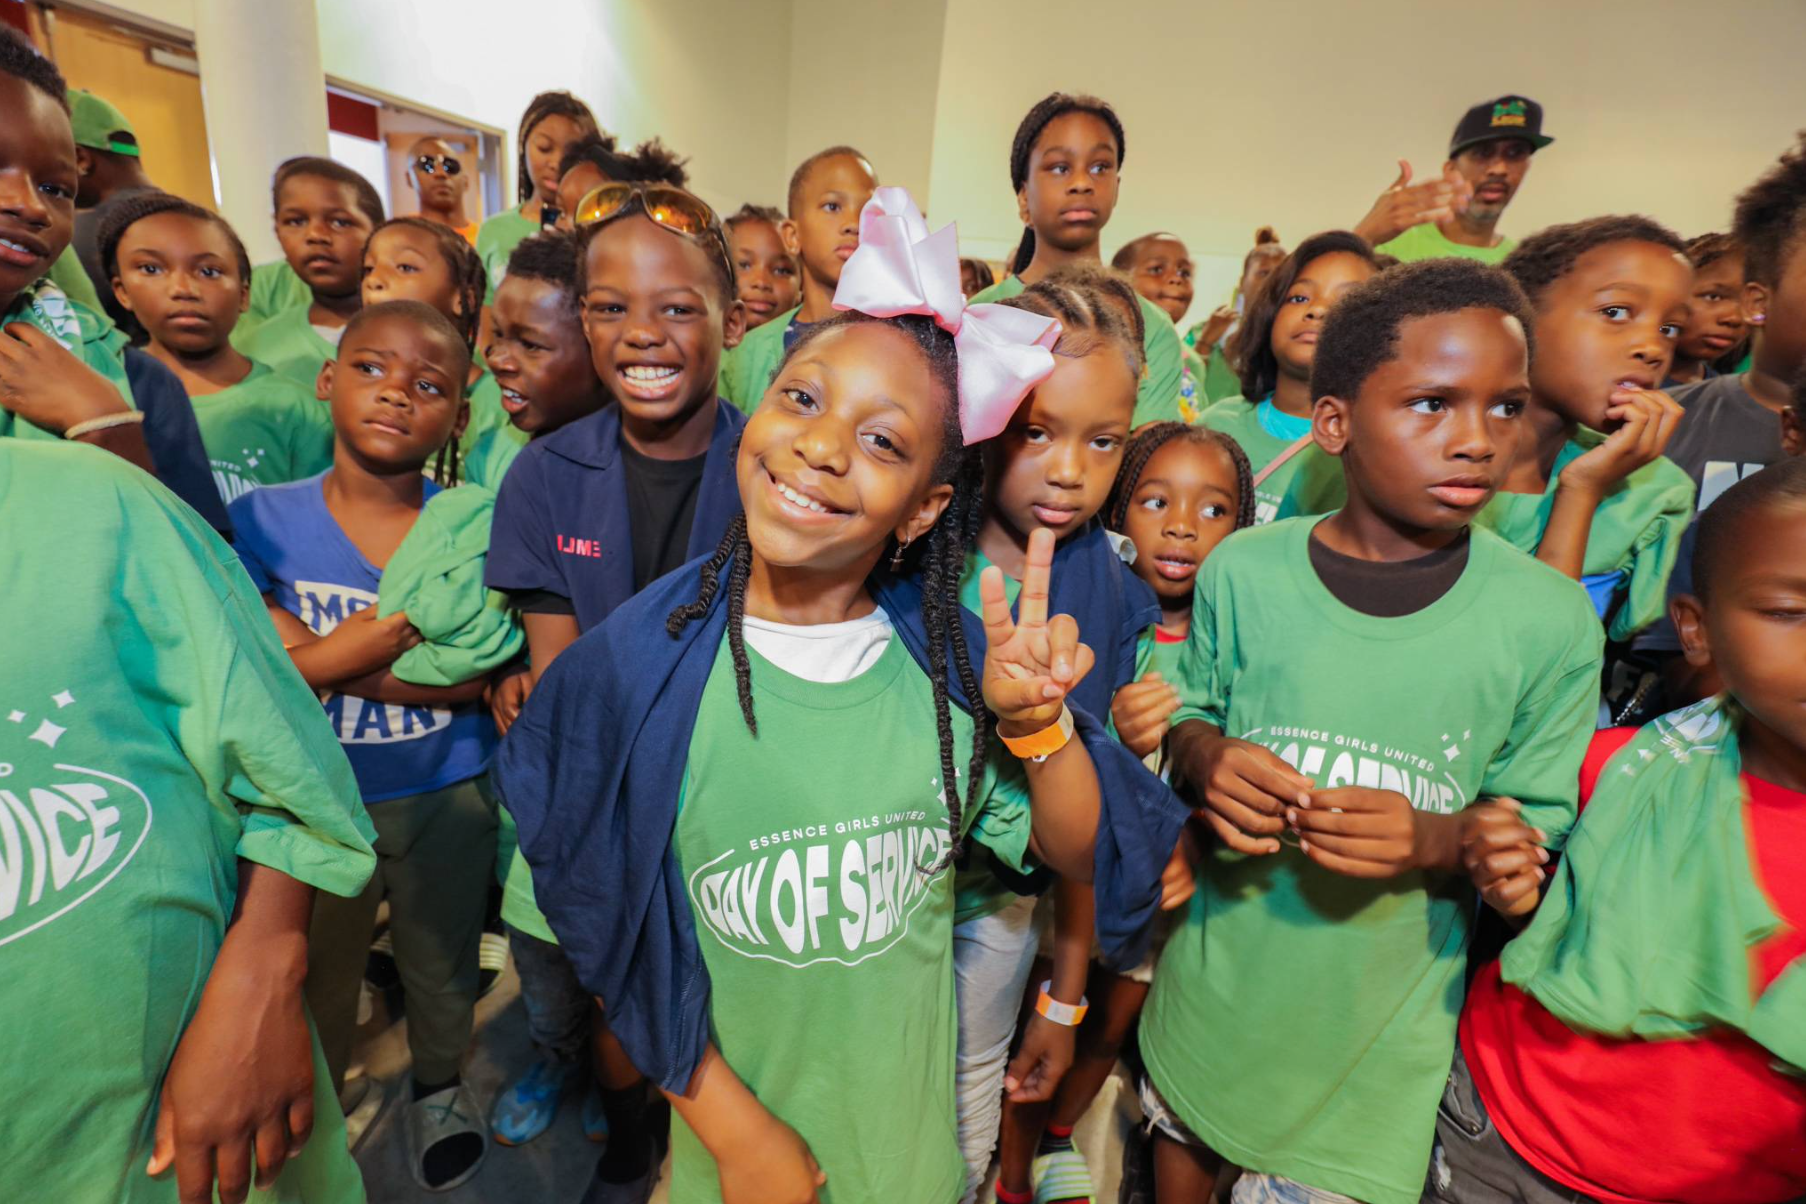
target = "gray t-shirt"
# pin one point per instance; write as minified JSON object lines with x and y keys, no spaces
{"x":1724,"y":436}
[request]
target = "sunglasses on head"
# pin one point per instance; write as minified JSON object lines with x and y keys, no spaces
{"x":433,"y":163}
{"x":676,"y":210}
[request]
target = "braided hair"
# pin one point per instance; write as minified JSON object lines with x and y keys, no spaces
{"x":128,"y":211}
{"x":939,"y":558}
{"x":1054,"y":104}
{"x":1151,"y":438}
{"x":1093,"y":306}
{"x":546,"y":104}
{"x":468,"y":276}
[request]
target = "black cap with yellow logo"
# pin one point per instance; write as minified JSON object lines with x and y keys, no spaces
{"x":1506,"y":117}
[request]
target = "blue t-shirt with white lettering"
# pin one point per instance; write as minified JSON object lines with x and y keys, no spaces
{"x":296,"y":551}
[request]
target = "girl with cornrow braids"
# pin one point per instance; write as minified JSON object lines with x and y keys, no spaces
{"x":1180,"y":492}
{"x":412,"y":259}
{"x":553,"y":123}
{"x":1049,"y":471}
{"x":1064,"y":166}
{"x":784,"y":746}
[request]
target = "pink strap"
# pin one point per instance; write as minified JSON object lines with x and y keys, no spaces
{"x":1299,"y":444}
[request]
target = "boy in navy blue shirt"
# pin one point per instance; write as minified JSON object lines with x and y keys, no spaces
{"x":316,"y":549}
{"x":587,"y":516}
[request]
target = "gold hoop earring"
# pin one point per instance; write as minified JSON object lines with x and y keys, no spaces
{"x":896,"y":560}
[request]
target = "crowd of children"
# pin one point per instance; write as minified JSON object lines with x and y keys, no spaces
{"x":877,"y":702}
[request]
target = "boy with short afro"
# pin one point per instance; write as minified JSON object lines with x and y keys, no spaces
{"x":1374,"y":704}
{"x":827,"y":192}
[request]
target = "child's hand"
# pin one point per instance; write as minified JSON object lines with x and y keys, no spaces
{"x":1641,"y":421}
{"x":1041,"y":1062}
{"x":769,"y":1164}
{"x":507,"y":694}
{"x":364,"y":643}
{"x":1179,"y":880}
{"x":1031,"y":663}
{"x":47,"y":385}
{"x":1215,"y":327}
{"x":241,"y":1081}
{"x":1246,"y":792}
{"x":1503,"y":855}
{"x":1143,"y":712}
{"x":1358,"y":831}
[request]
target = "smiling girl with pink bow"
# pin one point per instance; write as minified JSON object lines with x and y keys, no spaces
{"x":762,"y":890}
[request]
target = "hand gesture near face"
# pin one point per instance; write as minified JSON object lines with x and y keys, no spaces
{"x":1031,"y":662}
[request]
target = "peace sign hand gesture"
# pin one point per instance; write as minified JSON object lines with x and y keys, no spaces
{"x":1031,"y":662}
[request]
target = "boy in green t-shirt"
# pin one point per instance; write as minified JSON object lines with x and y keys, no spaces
{"x":1591,"y":493}
{"x":1382,"y":709}
{"x":169,"y":804}
{"x":183,"y":274}
{"x":324,"y":214}
{"x":827,"y":192}
{"x":61,"y":365}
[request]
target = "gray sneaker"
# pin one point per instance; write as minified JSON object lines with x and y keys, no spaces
{"x":447,"y":1139}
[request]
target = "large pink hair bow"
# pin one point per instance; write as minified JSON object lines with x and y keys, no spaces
{"x":900,"y":268}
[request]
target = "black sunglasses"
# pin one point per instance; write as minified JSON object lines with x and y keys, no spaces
{"x":431,"y":163}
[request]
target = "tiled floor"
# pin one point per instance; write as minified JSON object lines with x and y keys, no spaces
{"x":555,"y":1169}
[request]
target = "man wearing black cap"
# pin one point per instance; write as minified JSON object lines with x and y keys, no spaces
{"x":1458,"y":214}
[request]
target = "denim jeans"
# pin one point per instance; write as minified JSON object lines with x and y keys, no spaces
{"x":1471,"y":1162}
{"x":559,"y":1010}
{"x":1277,"y":1189}
{"x":992,"y":956}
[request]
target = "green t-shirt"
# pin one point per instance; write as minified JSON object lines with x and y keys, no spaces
{"x":90,"y":335}
{"x":290,"y":345}
{"x":158,"y":733}
{"x":496,"y":239}
{"x":1221,"y":381}
{"x":1157,"y":398}
{"x":1302,"y":1022}
{"x":1308,"y":483}
{"x":746,"y":370}
{"x":1426,"y":241}
{"x":1632,"y":544}
{"x":264,"y":430}
{"x":487,"y":460}
{"x":274,"y":287}
{"x":68,"y":274}
{"x":830,"y":957}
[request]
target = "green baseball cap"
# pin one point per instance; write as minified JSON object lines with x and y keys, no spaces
{"x":100,"y":126}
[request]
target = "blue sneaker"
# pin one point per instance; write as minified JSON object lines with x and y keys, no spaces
{"x":527,"y":1106}
{"x":595,"y":1121}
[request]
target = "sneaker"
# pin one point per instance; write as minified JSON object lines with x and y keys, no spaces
{"x":528,"y":1105}
{"x":446,"y":1138}
{"x":1061,"y":1175}
{"x":492,"y":959}
{"x":595,"y":1120}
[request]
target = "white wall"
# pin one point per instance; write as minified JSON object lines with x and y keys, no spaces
{"x":709,"y":76}
{"x":1289,"y":112}
{"x":1292,"y":112}
{"x":679,"y":70}
{"x":865,"y":74}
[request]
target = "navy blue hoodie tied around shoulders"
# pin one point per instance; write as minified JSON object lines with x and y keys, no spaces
{"x":592,"y":771}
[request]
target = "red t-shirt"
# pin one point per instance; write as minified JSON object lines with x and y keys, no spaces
{"x":1704,"y":1121}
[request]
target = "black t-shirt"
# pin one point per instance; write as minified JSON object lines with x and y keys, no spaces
{"x":1389,"y":589}
{"x":1724,"y":436}
{"x":661,"y":507}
